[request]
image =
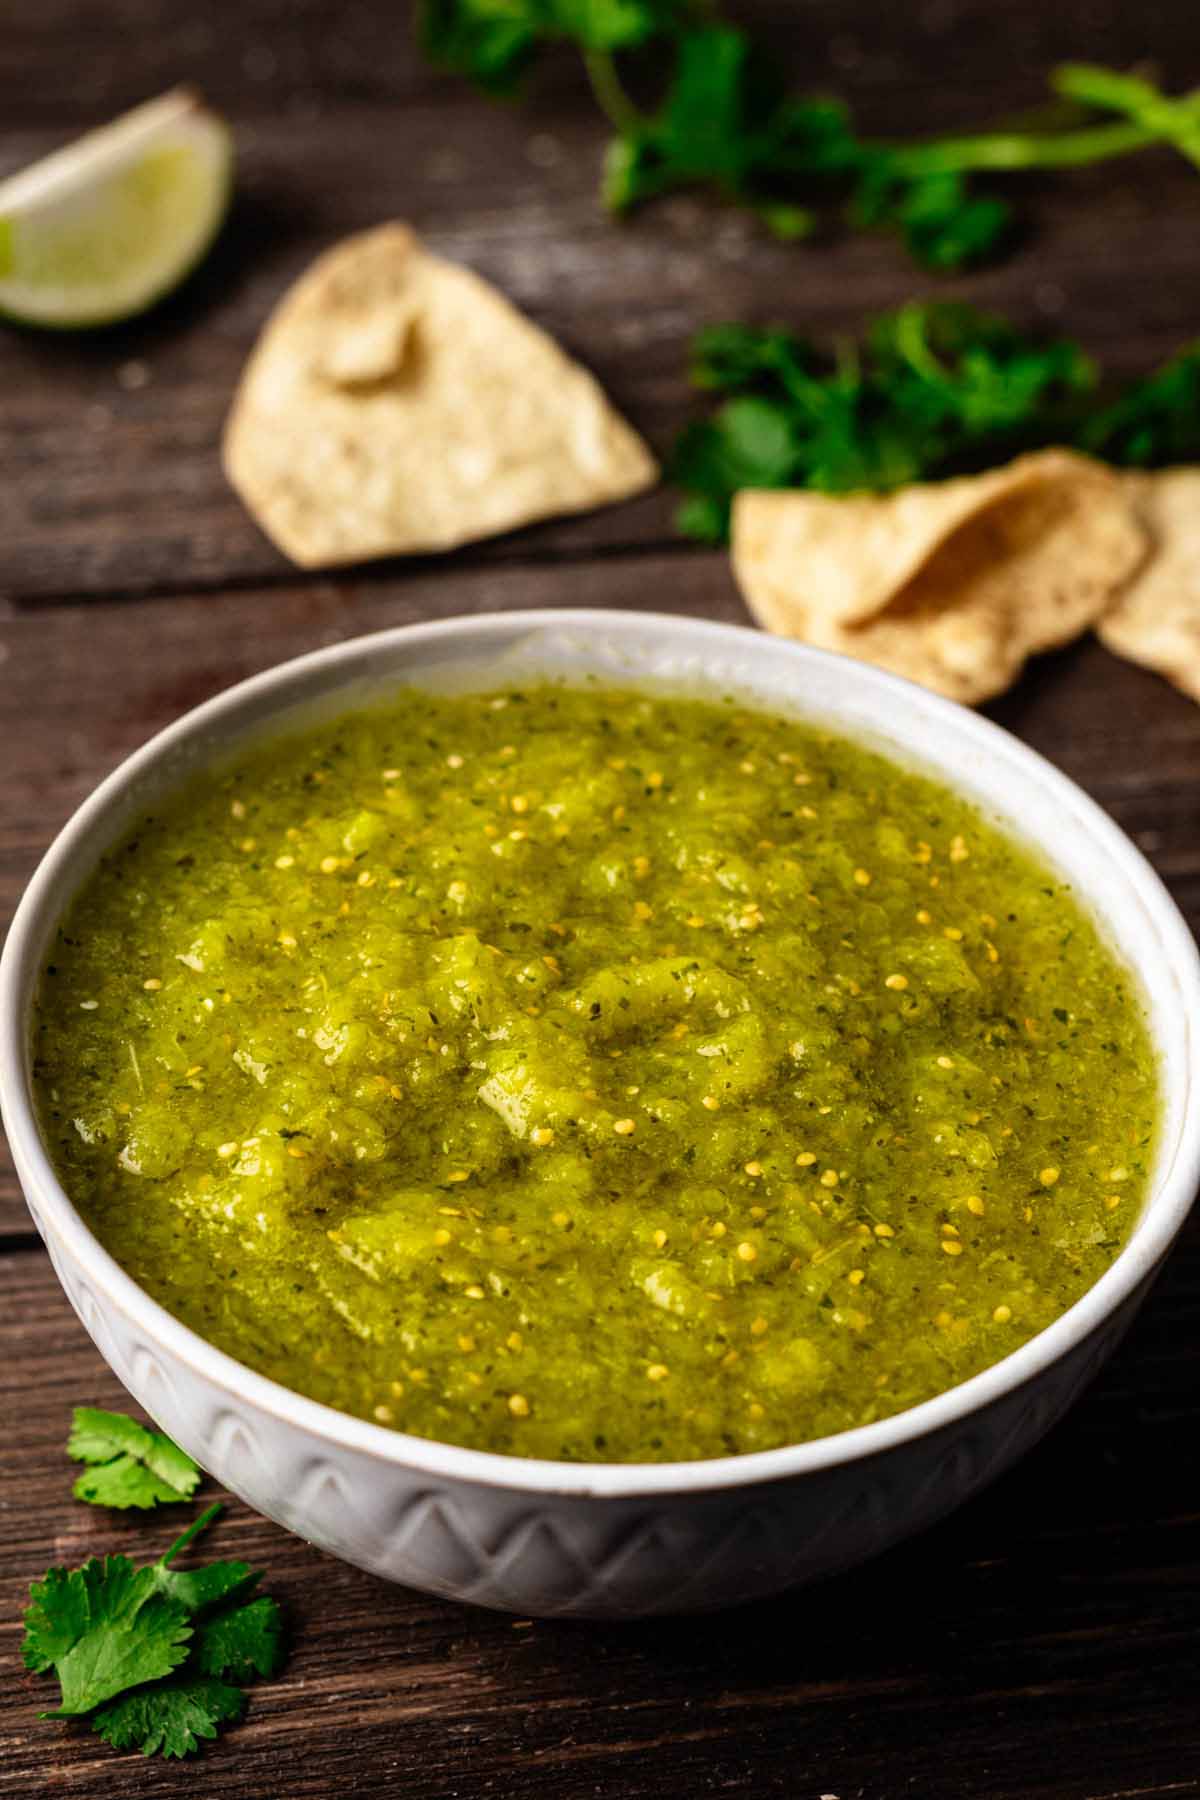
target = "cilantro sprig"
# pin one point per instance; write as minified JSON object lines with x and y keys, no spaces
{"x":725,"y":118}
{"x":154,"y":1658}
{"x":934,"y":389}
{"x":128,"y":1464}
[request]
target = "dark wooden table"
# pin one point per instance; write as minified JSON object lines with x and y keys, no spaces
{"x":1042,"y":1644}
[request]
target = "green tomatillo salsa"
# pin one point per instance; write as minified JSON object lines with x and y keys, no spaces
{"x":584,"y":1074}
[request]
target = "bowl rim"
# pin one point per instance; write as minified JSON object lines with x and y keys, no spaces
{"x":51,"y":885}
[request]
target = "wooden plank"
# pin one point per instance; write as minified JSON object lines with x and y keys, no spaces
{"x":273,"y":56}
{"x":1056,"y":1610}
{"x":109,"y":476}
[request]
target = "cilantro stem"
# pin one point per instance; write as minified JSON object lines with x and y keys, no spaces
{"x":1015,"y":150}
{"x":1150,"y":118}
{"x":610,"y":96}
{"x":193,"y":1531}
{"x":1178,"y":121}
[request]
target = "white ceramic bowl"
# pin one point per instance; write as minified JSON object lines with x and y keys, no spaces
{"x":615,"y":1540}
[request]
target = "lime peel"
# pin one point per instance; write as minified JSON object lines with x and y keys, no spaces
{"x":104,"y":227}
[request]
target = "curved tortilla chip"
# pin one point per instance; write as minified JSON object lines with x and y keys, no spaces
{"x":1156,"y":621}
{"x":987,"y":569}
{"x":396,"y":402}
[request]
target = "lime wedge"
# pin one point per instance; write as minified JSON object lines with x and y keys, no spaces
{"x":103,"y":228}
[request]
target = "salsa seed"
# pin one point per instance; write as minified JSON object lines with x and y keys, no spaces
{"x":1048,"y":1177}
{"x":624,"y":1127}
{"x":952,"y":1247}
{"x":862,"y":877}
{"x":897,"y":982}
{"x":518,"y":1406}
{"x":657,"y":1372}
{"x":1002,"y":1315}
{"x":152,"y":985}
{"x":747,"y":1252}
{"x":541,"y":1135}
{"x":753,"y":1168}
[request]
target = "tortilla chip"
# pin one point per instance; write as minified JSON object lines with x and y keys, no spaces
{"x":985,"y":570}
{"x":1156,"y":621}
{"x":396,"y":402}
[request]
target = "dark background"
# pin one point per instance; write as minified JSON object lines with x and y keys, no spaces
{"x":1041,"y":1644}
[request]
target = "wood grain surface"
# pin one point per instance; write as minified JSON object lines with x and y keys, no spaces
{"x":1042,"y":1644}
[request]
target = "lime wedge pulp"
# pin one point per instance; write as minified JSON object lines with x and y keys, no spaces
{"x":103,"y":228}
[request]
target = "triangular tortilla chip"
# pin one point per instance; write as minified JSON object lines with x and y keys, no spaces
{"x":976,"y":588}
{"x":1156,"y":621}
{"x":396,"y":402}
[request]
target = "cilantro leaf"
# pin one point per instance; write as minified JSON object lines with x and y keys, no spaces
{"x":242,"y":1642}
{"x":727,"y":121}
{"x":201,"y":1589}
{"x":934,"y":388}
{"x":1155,"y":421}
{"x":943,"y":223}
{"x":495,"y":42}
{"x":152,"y":1654}
{"x":102,"y":1628}
{"x":169,"y":1716}
{"x":129,"y":1464}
